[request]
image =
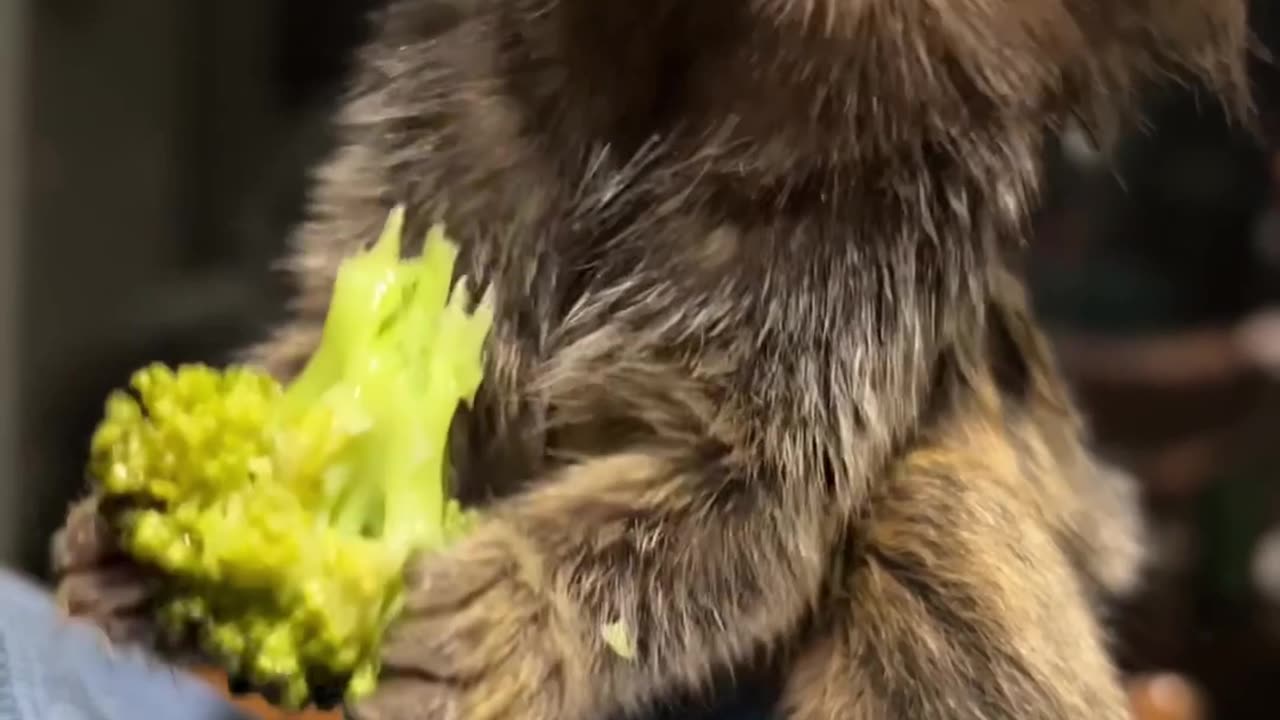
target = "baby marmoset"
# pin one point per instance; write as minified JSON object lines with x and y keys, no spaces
{"x":756,"y":366}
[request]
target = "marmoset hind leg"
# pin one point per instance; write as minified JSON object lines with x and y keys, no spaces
{"x":970,"y":590}
{"x":959,"y":605}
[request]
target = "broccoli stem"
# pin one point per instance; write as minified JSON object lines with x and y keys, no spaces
{"x":398,"y":353}
{"x":366,"y":292}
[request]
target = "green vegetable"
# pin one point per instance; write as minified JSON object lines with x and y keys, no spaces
{"x":282,"y":517}
{"x":617,"y":636}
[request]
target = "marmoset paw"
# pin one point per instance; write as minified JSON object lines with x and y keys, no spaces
{"x":98,"y":583}
{"x":476,"y":641}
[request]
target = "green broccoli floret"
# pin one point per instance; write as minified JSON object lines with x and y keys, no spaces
{"x":283,"y":516}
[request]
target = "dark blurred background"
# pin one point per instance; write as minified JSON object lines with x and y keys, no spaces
{"x":154,"y":154}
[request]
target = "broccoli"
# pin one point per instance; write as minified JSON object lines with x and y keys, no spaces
{"x":281,"y":517}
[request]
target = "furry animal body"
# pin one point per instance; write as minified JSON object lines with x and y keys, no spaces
{"x":762,"y":383}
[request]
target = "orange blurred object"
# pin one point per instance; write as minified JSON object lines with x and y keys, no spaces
{"x":259,"y":708}
{"x":1166,"y":697}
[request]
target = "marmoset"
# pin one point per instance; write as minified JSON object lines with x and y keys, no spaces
{"x":761,"y":381}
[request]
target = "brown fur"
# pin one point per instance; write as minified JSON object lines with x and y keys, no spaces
{"x":745,"y":373}
{"x":972,"y":587}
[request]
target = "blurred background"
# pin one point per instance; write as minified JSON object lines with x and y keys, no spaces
{"x":153,"y":155}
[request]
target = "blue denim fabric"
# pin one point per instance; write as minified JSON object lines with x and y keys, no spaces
{"x":52,"y":669}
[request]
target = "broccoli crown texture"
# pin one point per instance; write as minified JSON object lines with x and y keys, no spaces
{"x":281,"y":517}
